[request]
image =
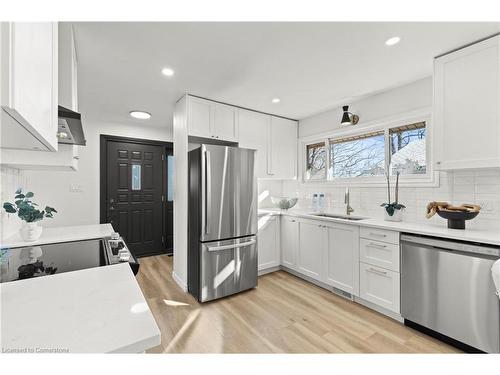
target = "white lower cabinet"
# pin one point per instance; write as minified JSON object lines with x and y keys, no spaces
{"x":268,"y":240}
{"x":312,"y":241}
{"x":380,"y":286}
{"x":342,"y":257}
{"x":289,"y":242}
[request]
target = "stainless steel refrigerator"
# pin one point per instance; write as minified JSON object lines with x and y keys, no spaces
{"x":222,"y":254}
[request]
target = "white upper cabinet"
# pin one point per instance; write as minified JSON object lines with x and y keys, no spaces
{"x":254,"y":130}
{"x":275,"y":140}
{"x":29,"y":92}
{"x":342,"y":263}
{"x":199,"y":117}
{"x":208,"y":119}
{"x":466,"y":121}
{"x":225,"y":125}
{"x":65,"y":159}
{"x":283,"y":148}
{"x":68,"y":68}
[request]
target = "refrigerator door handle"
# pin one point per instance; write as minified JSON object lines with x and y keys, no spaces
{"x":208,"y":196}
{"x":233,"y":246}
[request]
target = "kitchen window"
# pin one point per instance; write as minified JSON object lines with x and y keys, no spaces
{"x":365,"y":157}
{"x":357,"y":156}
{"x":316,"y":161}
{"x":408,"y":149}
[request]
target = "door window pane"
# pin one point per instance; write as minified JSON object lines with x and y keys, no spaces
{"x":357,"y":156}
{"x":316,"y":161}
{"x":408,"y":150}
{"x":136,"y":177}
{"x":170,"y":178}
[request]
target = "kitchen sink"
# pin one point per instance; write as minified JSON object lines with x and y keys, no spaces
{"x":337,"y":216}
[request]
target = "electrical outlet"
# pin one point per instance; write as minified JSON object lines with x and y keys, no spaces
{"x":75,"y":188}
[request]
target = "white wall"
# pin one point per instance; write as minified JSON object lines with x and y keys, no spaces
{"x":479,"y":186}
{"x":10,"y":180}
{"x":402,"y":99}
{"x":53,"y":188}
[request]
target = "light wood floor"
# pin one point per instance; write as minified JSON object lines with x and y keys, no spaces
{"x":284,"y":314}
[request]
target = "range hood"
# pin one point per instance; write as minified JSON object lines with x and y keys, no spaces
{"x":69,"y":129}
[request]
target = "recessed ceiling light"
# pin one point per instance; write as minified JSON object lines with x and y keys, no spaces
{"x":392,"y":41}
{"x":140,"y":115}
{"x":168,"y":72}
{"x":276,"y":100}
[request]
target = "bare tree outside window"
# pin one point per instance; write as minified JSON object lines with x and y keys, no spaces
{"x":316,"y":161}
{"x":359,"y":156}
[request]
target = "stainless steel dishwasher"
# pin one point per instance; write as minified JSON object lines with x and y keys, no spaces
{"x":446,"y":286}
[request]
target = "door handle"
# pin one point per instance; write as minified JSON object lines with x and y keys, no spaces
{"x":378,"y":272}
{"x":372,"y":244}
{"x":233,"y":246}
{"x":208,"y":188}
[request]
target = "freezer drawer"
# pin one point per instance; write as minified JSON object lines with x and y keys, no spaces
{"x":227,"y":267}
{"x":451,"y":292}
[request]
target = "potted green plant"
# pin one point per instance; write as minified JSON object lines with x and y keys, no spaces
{"x":28,"y":212}
{"x":393,"y":211}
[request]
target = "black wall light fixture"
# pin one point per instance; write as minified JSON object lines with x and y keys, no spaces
{"x":348,"y":118}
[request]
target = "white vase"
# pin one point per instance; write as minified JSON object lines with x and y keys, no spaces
{"x":396,"y":216}
{"x":30,"y":231}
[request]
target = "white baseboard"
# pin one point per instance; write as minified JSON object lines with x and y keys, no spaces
{"x":379,"y":309}
{"x":179,"y":282}
{"x":268,"y":270}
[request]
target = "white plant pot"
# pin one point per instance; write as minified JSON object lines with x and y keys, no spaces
{"x":396,"y":216}
{"x":30,"y":231}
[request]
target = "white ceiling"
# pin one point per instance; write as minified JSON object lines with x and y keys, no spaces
{"x":310,"y":66}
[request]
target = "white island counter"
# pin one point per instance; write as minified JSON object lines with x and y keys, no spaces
{"x":61,"y":234}
{"x":96,"y":310}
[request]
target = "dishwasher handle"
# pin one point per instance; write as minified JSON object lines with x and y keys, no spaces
{"x":473,"y":248}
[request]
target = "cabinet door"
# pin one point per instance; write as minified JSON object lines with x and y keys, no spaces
{"x":283,"y":148}
{"x":342,"y":264}
{"x":467,"y":107}
{"x":29,"y":79}
{"x":199,"y":117}
{"x":225,"y":122}
{"x":254,"y":131}
{"x":311,"y":248}
{"x":268,"y":242}
{"x":379,"y":286}
{"x":289,"y":242}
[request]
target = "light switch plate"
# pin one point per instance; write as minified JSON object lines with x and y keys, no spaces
{"x":75,"y":188}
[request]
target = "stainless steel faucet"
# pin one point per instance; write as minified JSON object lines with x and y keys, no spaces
{"x":348,"y":209}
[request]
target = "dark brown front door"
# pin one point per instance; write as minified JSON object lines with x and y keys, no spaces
{"x":134,"y":189}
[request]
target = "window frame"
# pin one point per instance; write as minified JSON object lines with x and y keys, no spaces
{"x":429,"y":179}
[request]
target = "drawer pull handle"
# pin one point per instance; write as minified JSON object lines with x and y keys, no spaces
{"x":372,"y":244}
{"x":378,"y":272}
{"x":378,"y":234}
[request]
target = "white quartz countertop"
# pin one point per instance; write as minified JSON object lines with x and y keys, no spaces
{"x":96,"y":310}
{"x":62,"y":234}
{"x":489,"y":236}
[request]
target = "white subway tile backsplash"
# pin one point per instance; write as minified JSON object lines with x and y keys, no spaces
{"x":472,"y":186}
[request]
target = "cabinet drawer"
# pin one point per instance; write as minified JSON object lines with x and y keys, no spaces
{"x":389,"y":236}
{"x":382,"y":254}
{"x":379,"y":286}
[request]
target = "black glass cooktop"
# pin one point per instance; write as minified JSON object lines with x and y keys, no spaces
{"x":37,"y":261}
